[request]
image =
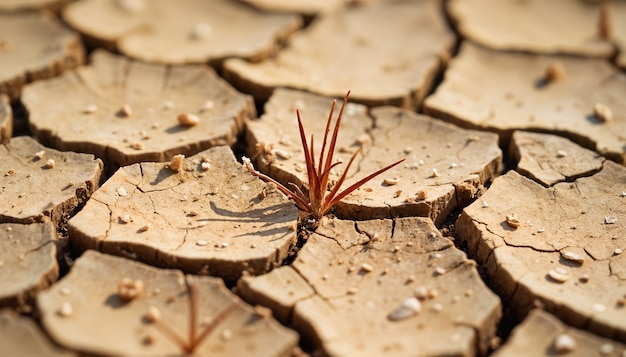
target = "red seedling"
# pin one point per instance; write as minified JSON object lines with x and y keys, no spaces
{"x":320,"y":200}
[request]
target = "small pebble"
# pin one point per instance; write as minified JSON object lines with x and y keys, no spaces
{"x":440,"y":271}
{"x":555,"y":72}
{"x":366,"y":267}
{"x":187,"y":119}
{"x":409,"y":307}
{"x":561,"y":153}
{"x":564,"y":343}
{"x":559,"y":275}
{"x":90,"y":109}
{"x":571,"y":256}
{"x":352,"y":290}
{"x":584,"y":278}
{"x":610,"y":220}
{"x":421,"y":292}
{"x":153,"y":315}
{"x":40,"y":154}
{"x":485,"y":204}
{"x":282,"y":154}
{"x":129,"y":289}
{"x":65,"y":291}
{"x":206,"y":166}
{"x":391,"y":181}
{"x":208,"y":105}
{"x":618,"y":251}
{"x":50,"y":164}
{"x":143,"y":229}
{"x":513,"y":221}
{"x":602,"y":112}
{"x":421,"y":195}
{"x":168,"y":104}
{"x":202,"y":243}
{"x":125,"y":111}
{"x":436,"y":173}
{"x":201,"y":31}
{"x":598,"y":307}
{"x":606,"y":349}
{"x":66,"y":310}
{"x":121,"y":191}
{"x":224,"y":245}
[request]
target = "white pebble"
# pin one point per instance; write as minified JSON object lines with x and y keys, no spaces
{"x":421,"y":292}
{"x":50,"y":163}
{"x":610,"y":220}
{"x":571,"y":256}
{"x":208,"y":105}
{"x":618,"y":251}
{"x":606,"y":349}
{"x":121,"y":191}
{"x":602,"y":112}
{"x":40,"y":154}
{"x":409,"y":307}
{"x":66,"y":310}
{"x":202,"y":243}
{"x":201,"y":31}
{"x":559,"y":275}
{"x":391,"y":181}
{"x":561,"y":153}
{"x":205,"y":166}
{"x":598,"y":307}
{"x":436,"y":173}
{"x":564,"y":343}
{"x":282,"y":154}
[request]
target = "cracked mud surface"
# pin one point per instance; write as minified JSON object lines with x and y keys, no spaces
{"x":156,"y":95}
{"x":320,"y":61}
{"x":543,"y":216}
{"x":32,"y":191}
{"x":34,"y":46}
{"x":222,"y":221}
{"x":91,"y":290}
{"x":350,"y":276}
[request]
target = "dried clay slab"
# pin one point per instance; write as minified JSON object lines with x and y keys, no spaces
{"x":211,"y":216}
{"x":6,"y":120}
{"x":27,"y":262}
{"x":556,"y":94}
{"x":381,"y":287}
{"x":550,"y":159}
{"x":34,"y":46}
{"x":187,"y":31}
{"x":126,"y":111}
{"x":445,"y":165}
{"x":20,"y":336}
{"x":562,"y":247}
{"x":38,"y":183}
{"x":91,"y":292}
{"x":558,"y":26}
{"x":541,"y":334}
{"x":387,"y":53}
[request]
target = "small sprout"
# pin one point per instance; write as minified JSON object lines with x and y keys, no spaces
{"x":50,"y":164}
{"x":559,"y":275}
{"x":282,"y":154}
{"x":561,"y":153}
{"x":200,"y":31}
{"x":408,"y":308}
{"x":602,"y":112}
{"x":610,"y":220}
{"x":572,"y":257}
{"x":125,"y":111}
{"x":66,"y":310}
{"x":320,"y":201}
{"x":39,"y":155}
{"x":564,"y":343}
{"x":90,"y":109}
{"x":121,"y":191}
{"x":153,"y":315}
{"x":187,"y":119}
{"x":391,"y":181}
{"x":129,"y":289}
{"x":513,"y":221}
{"x":554,"y":72}
{"x":176,"y":163}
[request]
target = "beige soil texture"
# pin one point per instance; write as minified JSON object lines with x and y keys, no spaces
{"x":6,"y":120}
{"x":20,"y":336}
{"x":34,"y":46}
{"x":219,"y":220}
{"x":27,"y":262}
{"x":550,"y":159}
{"x":541,"y":334}
{"x":126,"y":111}
{"x":351,"y":49}
{"x":557,"y":26}
{"x":617,"y":20}
{"x":481,"y":91}
{"x":38,"y":183}
{"x":344,"y":290}
{"x":87,"y":312}
{"x":185,"y":31}
{"x":560,"y":247}
{"x":464,"y":160}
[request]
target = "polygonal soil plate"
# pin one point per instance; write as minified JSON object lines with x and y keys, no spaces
{"x":27,"y":261}
{"x":481,"y":91}
{"x":445,"y":163}
{"x":541,"y":334}
{"x":557,"y":26}
{"x":126,"y":111}
{"x":20,"y":336}
{"x":37,"y":183}
{"x":218,"y":220}
{"x":34,"y":46}
{"x":549,"y":159}
{"x":562,"y":246}
{"x":187,"y":31}
{"x":90,"y":294}
{"x":386,"y":53}
{"x":344,"y":288}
